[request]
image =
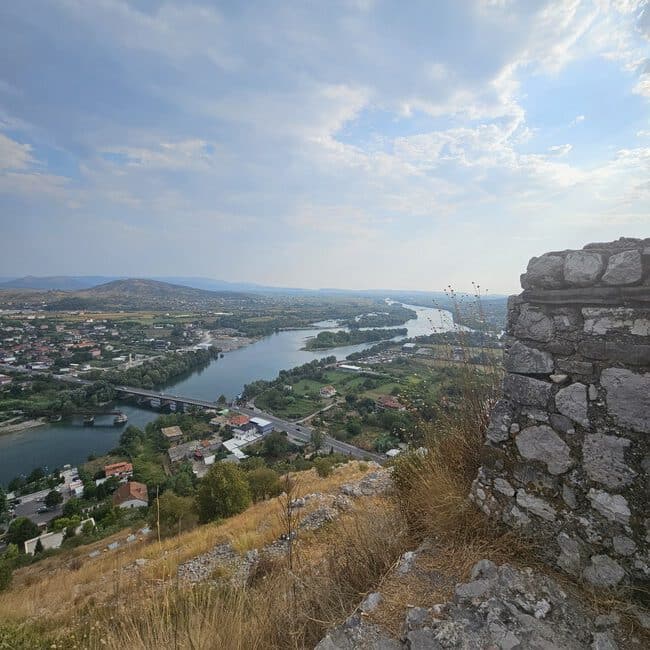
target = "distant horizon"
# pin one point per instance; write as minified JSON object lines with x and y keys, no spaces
{"x":104,"y":279}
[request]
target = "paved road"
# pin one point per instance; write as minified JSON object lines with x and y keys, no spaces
{"x":302,"y":433}
{"x":30,"y":504}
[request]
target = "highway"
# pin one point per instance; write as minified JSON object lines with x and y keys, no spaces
{"x":302,"y":433}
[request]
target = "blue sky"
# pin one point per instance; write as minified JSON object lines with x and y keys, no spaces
{"x":348,"y":143}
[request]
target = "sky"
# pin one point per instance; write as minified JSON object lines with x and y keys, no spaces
{"x":346,"y":143}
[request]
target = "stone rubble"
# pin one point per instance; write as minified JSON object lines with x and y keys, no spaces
{"x":501,"y":607}
{"x":223,"y":562}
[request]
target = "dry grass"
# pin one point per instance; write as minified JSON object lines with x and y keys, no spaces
{"x":49,"y":588}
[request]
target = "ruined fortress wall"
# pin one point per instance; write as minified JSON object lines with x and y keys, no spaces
{"x":567,"y":451}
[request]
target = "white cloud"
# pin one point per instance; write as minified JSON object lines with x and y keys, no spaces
{"x":14,"y":155}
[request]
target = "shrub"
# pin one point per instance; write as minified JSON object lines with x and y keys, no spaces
{"x":223,"y":492}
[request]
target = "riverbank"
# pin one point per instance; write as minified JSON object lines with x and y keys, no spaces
{"x":11,"y":426}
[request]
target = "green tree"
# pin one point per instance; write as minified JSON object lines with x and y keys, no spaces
{"x":264,"y":483}
{"x":20,"y":530}
{"x":149,"y":473}
{"x":223,"y":492}
{"x":276,"y":444}
{"x":38,"y":548}
{"x":53,"y":499}
{"x":317,"y":438}
{"x":72,"y":507}
{"x":324,"y":467}
{"x":222,"y":400}
{"x":176,"y":514}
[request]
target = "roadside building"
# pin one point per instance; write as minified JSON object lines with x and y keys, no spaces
{"x":237,"y":420}
{"x":122,"y":470}
{"x":131,"y":495}
{"x":346,"y":367}
{"x":182,"y":451}
{"x":389,"y":402}
{"x":173,"y":434}
{"x":409,"y":347}
{"x":5,"y":380}
{"x":262,"y":426}
{"x":327,"y":391}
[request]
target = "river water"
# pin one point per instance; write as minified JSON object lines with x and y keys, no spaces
{"x":54,"y":445}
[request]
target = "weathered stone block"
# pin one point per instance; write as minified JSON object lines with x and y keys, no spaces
{"x":572,"y":402}
{"x":527,"y":361}
{"x":543,"y":272}
{"x":623,"y":545}
{"x":575,"y":367}
{"x":533,"y":324}
{"x":604,"y":460}
{"x":500,"y":421}
{"x":544,"y":445}
{"x":527,"y":391}
{"x":535,"y":505}
{"x":611,"y":506}
{"x":569,"y":558}
{"x":624,"y":268}
{"x":601,"y":321}
{"x":582,"y":268}
{"x":561,"y":423}
{"x":501,"y":485}
{"x":603,"y":571}
{"x":628,"y":397}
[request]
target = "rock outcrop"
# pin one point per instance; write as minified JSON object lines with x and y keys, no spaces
{"x":499,"y":607}
{"x":567,"y":449}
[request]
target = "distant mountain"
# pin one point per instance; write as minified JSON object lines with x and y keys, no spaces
{"x":56,"y":282}
{"x":145,"y":288}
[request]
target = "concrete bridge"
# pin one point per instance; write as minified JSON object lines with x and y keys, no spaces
{"x":297,"y":431}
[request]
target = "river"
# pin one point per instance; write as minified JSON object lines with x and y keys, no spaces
{"x":54,"y":445}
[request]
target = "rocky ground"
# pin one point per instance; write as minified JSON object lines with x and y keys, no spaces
{"x":499,"y":608}
{"x":223,"y":562}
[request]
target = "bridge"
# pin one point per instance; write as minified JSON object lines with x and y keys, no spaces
{"x":298,"y":431}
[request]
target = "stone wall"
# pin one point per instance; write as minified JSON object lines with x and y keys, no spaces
{"x":567,"y":450}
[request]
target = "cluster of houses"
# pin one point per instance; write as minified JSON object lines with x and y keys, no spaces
{"x":37,"y":342}
{"x":202,"y":453}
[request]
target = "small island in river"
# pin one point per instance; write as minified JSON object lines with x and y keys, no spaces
{"x":327,"y":339}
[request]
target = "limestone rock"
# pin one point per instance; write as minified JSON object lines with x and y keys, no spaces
{"x":624,"y":268}
{"x":604,"y":460}
{"x":603,"y":571}
{"x":611,"y":506}
{"x":527,"y":391}
{"x":582,"y":268}
{"x":543,"y":272}
{"x":528,"y":361}
{"x":543,"y":444}
{"x":569,"y":558}
{"x":628,"y":397}
{"x":535,"y":505}
{"x":623,"y":545}
{"x":604,"y":320}
{"x":534,"y":324}
{"x":371,"y":602}
{"x":561,"y":423}
{"x":501,"y":485}
{"x":500,"y":421}
{"x":572,"y":402}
